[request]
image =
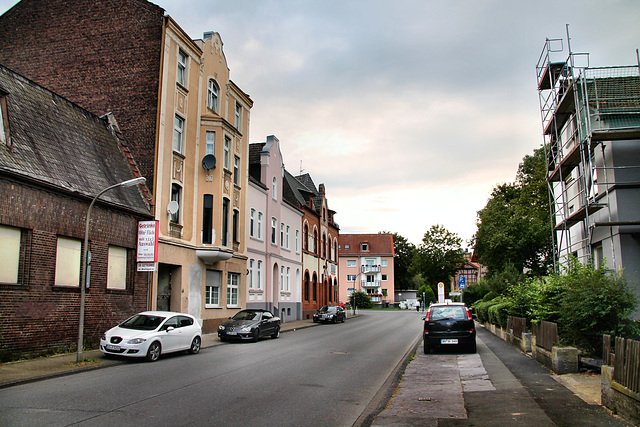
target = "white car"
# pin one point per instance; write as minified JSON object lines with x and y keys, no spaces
{"x":151,"y":333}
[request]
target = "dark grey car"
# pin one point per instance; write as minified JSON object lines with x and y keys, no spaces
{"x":449,"y":325}
{"x":330,"y":313}
{"x":250,"y":324}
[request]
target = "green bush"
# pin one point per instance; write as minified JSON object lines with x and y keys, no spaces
{"x":360,"y":299}
{"x":474,"y":292}
{"x":499,"y":313}
{"x":481,"y":309}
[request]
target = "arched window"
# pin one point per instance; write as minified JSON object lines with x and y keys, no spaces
{"x":315,"y":288}
{"x":306,"y":286}
{"x":212,"y":95}
{"x":305,"y":238}
{"x":315,"y":241}
{"x":325,"y":254}
{"x":274,"y":188}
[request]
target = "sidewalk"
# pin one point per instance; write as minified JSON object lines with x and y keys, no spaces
{"x":24,"y":371}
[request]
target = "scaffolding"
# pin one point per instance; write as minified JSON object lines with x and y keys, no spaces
{"x":585,"y":111}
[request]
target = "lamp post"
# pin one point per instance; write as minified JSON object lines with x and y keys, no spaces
{"x":85,"y":250}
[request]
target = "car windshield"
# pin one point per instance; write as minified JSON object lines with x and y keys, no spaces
{"x":247,"y":315}
{"x":142,"y":322}
{"x":447,"y":312}
{"x":326,"y":308}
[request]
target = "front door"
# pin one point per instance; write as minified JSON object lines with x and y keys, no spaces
{"x":163,"y":300}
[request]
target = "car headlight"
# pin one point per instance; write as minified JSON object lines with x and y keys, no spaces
{"x":104,"y":337}
{"x":136,"y":341}
{"x":330,"y":316}
{"x":245,"y":329}
{"x":221,"y":328}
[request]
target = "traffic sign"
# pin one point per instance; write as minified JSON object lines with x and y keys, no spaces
{"x":462,"y":282}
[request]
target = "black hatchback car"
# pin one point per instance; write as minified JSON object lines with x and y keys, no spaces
{"x":250,"y":324}
{"x":330,"y":313}
{"x":448,"y":325}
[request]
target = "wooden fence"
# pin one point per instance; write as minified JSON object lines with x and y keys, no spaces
{"x":625,"y":360}
{"x":516,"y":326}
{"x":546,"y":334}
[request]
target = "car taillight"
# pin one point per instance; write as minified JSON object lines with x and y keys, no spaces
{"x":426,"y":318}
{"x":468,"y":313}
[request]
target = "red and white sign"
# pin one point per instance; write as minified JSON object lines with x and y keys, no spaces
{"x":147,"y":242}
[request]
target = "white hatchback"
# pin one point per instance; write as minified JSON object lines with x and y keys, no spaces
{"x":151,"y":333}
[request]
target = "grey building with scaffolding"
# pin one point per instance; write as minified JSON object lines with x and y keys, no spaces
{"x":591,"y":127}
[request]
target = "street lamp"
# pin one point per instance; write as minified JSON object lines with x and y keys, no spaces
{"x":83,"y":278}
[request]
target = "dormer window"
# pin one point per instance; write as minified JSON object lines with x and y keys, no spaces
{"x":364,"y":247}
{"x":4,"y":120}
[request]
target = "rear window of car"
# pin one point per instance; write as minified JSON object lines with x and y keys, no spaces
{"x":448,"y":312}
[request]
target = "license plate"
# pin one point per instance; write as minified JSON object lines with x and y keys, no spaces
{"x":449,"y":341}
{"x":113,"y":347}
{"x":232,"y":333}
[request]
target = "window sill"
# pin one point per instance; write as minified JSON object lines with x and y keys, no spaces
{"x":183,"y":87}
{"x":212,"y":306}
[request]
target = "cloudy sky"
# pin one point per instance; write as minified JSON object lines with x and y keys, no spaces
{"x":410,"y":112}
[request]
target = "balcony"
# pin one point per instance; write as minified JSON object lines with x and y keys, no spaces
{"x":372,"y":284}
{"x":370,"y":268}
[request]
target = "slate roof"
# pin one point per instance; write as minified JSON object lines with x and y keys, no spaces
{"x":57,"y":144}
{"x":379,"y":244}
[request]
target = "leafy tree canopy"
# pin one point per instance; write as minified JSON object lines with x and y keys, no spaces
{"x":404,"y":251}
{"x":438,"y":257}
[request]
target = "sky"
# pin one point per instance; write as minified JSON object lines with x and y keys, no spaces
{"x":409,"y":112}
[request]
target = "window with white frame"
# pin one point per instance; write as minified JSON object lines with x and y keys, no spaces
{"x":238,"y":116}
{"x":282,"y":282}
{"x":274,"y":188}
{"x":259,"y":275}
{"x":282,"y":234}
{"x":384,"y":277}
{"x":252,"y":222}
{"x":117,"y":272}
{"x":233,"y":287}
{"x":226,"y":158}
{"x":212,"y":288}
{"x":182,"y":68}
{"x":68,"y":255}
{"x":286,"y":237}
{"x":351,"y":263}
{"x":236,"y":170}
{"x":297,"y":241}
{"x":383,"y":262}
{"x":288,"y":288}
{"x":274,"y":231}
{"x":9,"y":254}
{"x":351,"y":277}
{"x":176,"y":195}
{"x":212,"y":95}
{"x":210,"y":146}
{"x":4,"y":122}
{"x":252,"y":272}
{"x":178,"y":127}
{"x":364,"y":247}
{"x":260,"y":225}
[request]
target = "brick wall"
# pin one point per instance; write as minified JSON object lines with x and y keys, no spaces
{"x":38,"y":317}
{"x":102,"y":55}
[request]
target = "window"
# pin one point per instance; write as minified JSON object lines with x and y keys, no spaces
{"x":305,"y":237}
{"x":207,"y":219}
{"x":212,"y":288}
{"x":236,"y":229}
{"x":182,"y":68}
{"x":226,"y":159}
{"x":225,"y":222}
{"x":286,"y":237}
{"x":117,"y":273}
{"x":9,"y":254}
{"x":252,"y":272}
{"x":252,"y":222}
{"x":364,"y":247}
{"x":238,"y":116}
{"x":282,"y":278}
{"x":282,"y":234}
{"x":259,"y":278}
{"x":384,"y":277}
{"x":236,"y":170}
{"x":260,"y":225}
{"x":211,"y":142}
{"x":297,"y":241}
{"x":315,"y":242}
{"x":288,"y":288}
{"x":233,"y":284}
{"x":178,"y":126}
{"x":274,"y":188}
{"x":384,"y":262}
{"x":4,"y":121}
{"x":351,"y":277}
{"x":176,"y":191}
{"x":68,"y":254}
{"x":274,"y":230}
{"x":212,"y":96}
{"x":351,"y":263}
{"x":346,"y":246}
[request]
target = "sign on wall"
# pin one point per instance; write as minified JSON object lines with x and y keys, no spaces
{"x":147,"y":253}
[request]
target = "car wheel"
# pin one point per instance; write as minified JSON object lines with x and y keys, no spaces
{"x":195,"y":346}
{"x":335,"y":319}
{"x":427,"y":348}
{"x":154,"y":352}
{"x":344,"y":318}
{"x":255,"y":335}
{"x":276,"y":333}
{"x":315,"y":321}
{"x":223,"y":339}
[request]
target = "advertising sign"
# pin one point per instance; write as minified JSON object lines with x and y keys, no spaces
{"x":147,"y":242}
{"x":440,"y":292}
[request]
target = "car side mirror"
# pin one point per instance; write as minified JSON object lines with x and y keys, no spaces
{"x":170,"y":328}
{"x":424,"y":317}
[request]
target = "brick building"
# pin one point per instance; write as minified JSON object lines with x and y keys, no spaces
{"x":176,"y":106}
{"x":55,"y":157}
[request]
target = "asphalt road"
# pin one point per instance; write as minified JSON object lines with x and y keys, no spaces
{"x":319,"y":376}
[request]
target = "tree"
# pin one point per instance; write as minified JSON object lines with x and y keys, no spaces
{"x":404,"y":251}
{"x":428,"y":294}
{"x":360,"y":299}
{"x":515,"y":225}
{"x":438,"y":257}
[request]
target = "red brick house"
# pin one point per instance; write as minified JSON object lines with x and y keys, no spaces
{"x":55,"y":157}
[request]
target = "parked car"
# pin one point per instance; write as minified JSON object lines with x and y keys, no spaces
{"x":330,"y":313}
{"x":449,"y":324}
{"x":250,"y":324}
{"x":152,"y":333}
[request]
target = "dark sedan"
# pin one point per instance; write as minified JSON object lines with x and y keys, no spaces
{"x":330,"y":313}
{"x":449,"y":325}
{"x":250,"y":324}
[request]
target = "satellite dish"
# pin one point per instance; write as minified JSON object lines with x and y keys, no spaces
{"x":173,"y":207}
{"x":209,"y":162}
